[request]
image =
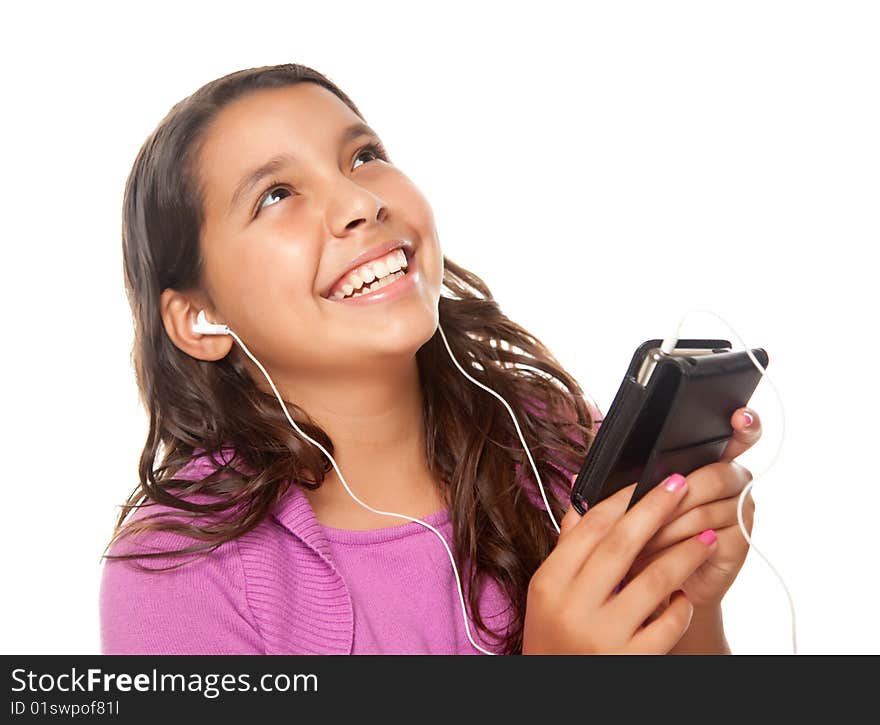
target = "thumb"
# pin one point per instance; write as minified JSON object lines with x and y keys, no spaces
{"x":568,"y":521}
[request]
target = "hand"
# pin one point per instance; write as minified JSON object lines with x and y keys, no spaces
{"x":711,"y":503}
{"x":572,"y":608}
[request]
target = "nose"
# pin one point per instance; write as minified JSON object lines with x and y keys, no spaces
{"x":354,"y":205}
{"x":363,"y":221}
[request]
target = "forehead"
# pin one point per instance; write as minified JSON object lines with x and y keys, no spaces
{"x":303,"y":120}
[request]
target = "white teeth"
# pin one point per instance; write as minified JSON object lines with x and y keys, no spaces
{"x":384,"y":282}
{"x":395,"y":261}
{"x":379,"y":270}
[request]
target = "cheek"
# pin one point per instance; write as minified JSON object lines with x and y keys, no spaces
{"x":421,"y":215}
{"x":263,"y":277}
{"x":433,"y":271}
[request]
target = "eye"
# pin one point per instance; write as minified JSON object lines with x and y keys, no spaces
{"x":273,"y":187}
{"x":374,"y":149}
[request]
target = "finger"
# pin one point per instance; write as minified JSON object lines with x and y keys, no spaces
{"x":745,"y":433}
{"x":614,"y":554}
{"x":734,"y":544}
{"x":748,"y":512}
{"x":568,"y":521}
{"x":571,"y":550}
{"x":664,"y":575}
{"x":714,"y":515}
{"x":572,"y":516}
{"x":732,"y":548}
{"x":664,"y":633}
{"x":713,"y":482}
{"x":730,"y":537}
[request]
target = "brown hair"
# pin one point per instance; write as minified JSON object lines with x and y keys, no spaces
{"x":472,"y":446}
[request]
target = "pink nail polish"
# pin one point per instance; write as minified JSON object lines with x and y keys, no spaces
{"x":675,"y":482}
{"x":708,"y":537}
{"x":749,"y":419}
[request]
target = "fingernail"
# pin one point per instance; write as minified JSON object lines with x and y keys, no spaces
{"x":675,"y":482}
{"x":708,"y":537}
{"x":749,"y":419}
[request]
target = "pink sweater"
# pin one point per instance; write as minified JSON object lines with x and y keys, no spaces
{"x":294,"y":586}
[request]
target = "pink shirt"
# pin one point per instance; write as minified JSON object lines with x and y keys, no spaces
{"x":294,"y":586}
{"x":404,"y":591}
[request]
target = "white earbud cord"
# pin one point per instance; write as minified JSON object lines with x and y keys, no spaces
{"x":391,"y":513}
{"x":515,"y":423}
{"x":667,"y":346}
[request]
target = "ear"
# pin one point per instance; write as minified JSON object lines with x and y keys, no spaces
{"x":179,"y":311}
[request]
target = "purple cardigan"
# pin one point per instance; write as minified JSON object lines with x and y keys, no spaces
{"x":274,"y":590}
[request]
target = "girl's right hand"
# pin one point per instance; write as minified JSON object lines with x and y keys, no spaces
{"x":572,"y":606}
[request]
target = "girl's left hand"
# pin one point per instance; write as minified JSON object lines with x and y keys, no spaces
{"x":711,"y":503}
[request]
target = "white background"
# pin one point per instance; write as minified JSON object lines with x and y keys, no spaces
{"x":604,"y":167}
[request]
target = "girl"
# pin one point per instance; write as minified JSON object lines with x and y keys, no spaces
{"x":264,"y":201}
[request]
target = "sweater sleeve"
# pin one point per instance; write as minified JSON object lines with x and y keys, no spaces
{"x":198,"y":608}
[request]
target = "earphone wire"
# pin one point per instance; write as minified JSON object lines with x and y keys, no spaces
{"x":515,"y":423}
{"x":668,"y":345}
{"x":440,"y":536}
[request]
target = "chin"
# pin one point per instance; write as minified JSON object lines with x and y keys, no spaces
{"x":406,"y":336}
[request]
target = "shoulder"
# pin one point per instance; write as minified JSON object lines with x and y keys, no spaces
{"x":199,"y":606}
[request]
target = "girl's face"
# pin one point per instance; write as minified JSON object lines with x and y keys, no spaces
{"x":276,"y":246}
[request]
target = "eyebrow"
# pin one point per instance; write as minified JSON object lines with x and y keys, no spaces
{"x":279,"y":161}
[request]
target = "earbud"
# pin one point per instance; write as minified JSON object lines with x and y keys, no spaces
{"x":203,"y":327}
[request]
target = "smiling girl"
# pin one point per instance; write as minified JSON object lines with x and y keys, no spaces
{"x":265,"y":201}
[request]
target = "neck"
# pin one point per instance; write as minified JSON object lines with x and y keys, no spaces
{"x":376,"y":424}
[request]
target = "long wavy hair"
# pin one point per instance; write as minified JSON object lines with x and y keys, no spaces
{"x":500,"y":531}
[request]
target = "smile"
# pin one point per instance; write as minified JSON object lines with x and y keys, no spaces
{"x":378,"y":280}
{"x":370,"y":276}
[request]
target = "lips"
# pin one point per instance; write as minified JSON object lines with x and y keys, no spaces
{"x":372,"y":253}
